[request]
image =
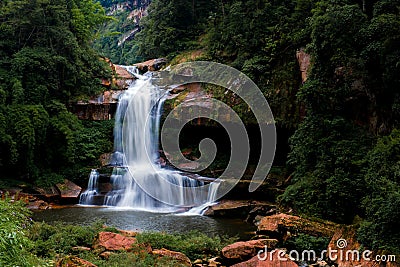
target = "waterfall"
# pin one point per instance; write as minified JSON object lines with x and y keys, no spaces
{"x":87,"y":197}
{"x":135,"y":158}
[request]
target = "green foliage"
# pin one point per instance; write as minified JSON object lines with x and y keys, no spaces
{"x":14,"y":243}
{"x":303,"y":242}
{"x":136,"y":258}
{"x":382,"y":203}
{"x":325,"y":156}
{"x":46,"y":62}
{"x":194,"y":244}
{"x":60,"y":238}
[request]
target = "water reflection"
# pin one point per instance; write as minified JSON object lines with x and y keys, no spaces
{"x":146,"y":221}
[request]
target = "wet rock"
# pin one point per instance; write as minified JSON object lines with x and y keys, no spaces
{"x":178,"y":256}
{"x":69,"y":190}
{"x":151,"y":65}
{"x":38,"y":205}
{"x":113,"y":241}
{"x":72,"y":261}
{"x":281,"y":225}
{"x":122,"y":73}
{"x":105,"y":159}
{"x":276,"y":259}
{"x":240,"y":251}
{"x":48,"y":193}
{"x":236,"y":208}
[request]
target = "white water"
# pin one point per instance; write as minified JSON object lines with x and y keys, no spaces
{"x":136,"y":135}
{"x":92,"y":190}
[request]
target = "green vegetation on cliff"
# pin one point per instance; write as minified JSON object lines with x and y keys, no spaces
{"x":46,"y":62}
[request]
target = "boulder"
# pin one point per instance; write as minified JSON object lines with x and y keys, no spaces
{"x":240,"y":251}
{"x":72,"y":261}
{"x":151,"y":65}
{"x":178,"y":256}
{"x":122,"y":73}
{"x":105,"y":159}
{"x":38,"y":205}
{"x":128,"y":233}
{"x":280,"y":225}
{"x":48,"y":193}
{"x":69,"y":190}
{"x":235,"y":208}
{"x":276,"y":259}
{"x":113,"y":241}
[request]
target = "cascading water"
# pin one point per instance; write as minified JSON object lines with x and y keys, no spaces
{"x":92,"y":190}
{"x":136,"y":145}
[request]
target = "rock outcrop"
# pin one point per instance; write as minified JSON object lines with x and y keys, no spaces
{"x":271,"y":259}
{"x":304,"y":60}
{"x":72,"y":261}
{"x":151,"y":65}
{"x":282,"y":225}
{"x":113,"y":242}
{"x":69,"y":190}
{"x":347,"y":252}
{"x":177,"y":256}
{"x":237,"y":208}
{"x":245,"y":250}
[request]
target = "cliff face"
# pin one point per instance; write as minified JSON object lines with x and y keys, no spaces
{"x":114,"y":36}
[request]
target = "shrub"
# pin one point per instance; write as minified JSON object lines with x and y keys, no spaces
{"x":194,"y":244}
{"x":14,"y":244}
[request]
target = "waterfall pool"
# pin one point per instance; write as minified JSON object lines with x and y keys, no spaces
{"x":128,"y":219}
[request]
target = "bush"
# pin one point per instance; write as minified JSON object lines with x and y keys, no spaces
{"x":194,"y":244}
{"x":60,"y":238}
{"x":14,"y":244}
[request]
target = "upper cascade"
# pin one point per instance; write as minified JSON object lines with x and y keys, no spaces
{"x":136,"y":158}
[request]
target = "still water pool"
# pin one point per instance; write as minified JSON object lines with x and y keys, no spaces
{"x":146,"y":221}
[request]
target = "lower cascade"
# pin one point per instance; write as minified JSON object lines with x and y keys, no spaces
{"x":135,"y":160}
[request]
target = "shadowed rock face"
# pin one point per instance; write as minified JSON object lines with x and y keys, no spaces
{"x":69,"y":189}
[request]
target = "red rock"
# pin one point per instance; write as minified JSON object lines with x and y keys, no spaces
{"x":178,"y":256}
{"x":47,"y":192}
{"x":280,"y":224}
{"x":345,"y":243}
{"x":122,"y":73}
{"x":128,"y":233}
{"x":68,"y":189}
{"x":246,"y":250}
{"x":38,"y":205}
{"x":72,"y":261}
{"x":304,"y":60}
{"x":113,"y":241}
{"x":277,"y":259}
{"x":151,"y":65}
